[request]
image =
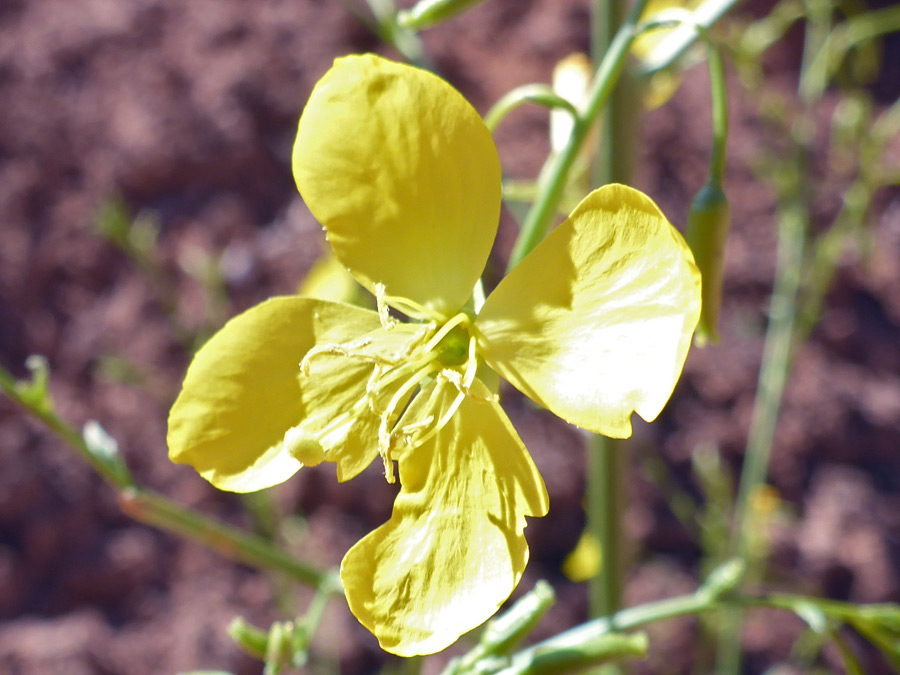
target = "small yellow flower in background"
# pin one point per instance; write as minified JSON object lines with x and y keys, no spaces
{"x":662,"y":85}
{"x":594,"y":324}
{"x":327,"y":279}
{"x":585,"y":560}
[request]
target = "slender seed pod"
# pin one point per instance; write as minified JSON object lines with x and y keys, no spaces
{"x":427,"y":13}
{"x":706,"y":233}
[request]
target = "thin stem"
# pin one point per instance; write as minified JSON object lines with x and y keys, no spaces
{"x":705,"y":598}
{"x":314,"y":613}
{"x":824,"y":61}
{"x":606,"y":477}
{"x":605,"y":502}
{"x":67,"y":433}
{"x":682,"y":39}
{"x":817,"y":50}
{"x":157,"y":510}
{"x":387,"y":28}
{"x":717,"y":89}
{"x":776,"y":355}
{"x":719,"y":112}
{"x":539,"y":94}
{"x":792,"y":226}
{"x":554,"y":174}
{"x":428,"y":13}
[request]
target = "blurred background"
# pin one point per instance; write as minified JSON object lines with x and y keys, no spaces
{"x":146,"y":196}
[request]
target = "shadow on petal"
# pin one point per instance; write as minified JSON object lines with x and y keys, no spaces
{"x":454,"y":548}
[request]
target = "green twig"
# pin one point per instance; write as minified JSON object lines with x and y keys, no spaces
{"x":606,"y":478}
{"x":554,"y":174}
{"x":540,"y":94}
{"x":792,"y":226}
{"x":428,"y":13}
{"x":717,"y":90}
{"x":383,"y":23}
{"x":793,"y":223}
{"x":605,"y":504}
{"x":684,"y":37}
{"x":829,"y":54}
{"x":504,"y":632}
{"x":707,"y":597}
{"x":45,"y":413}
{"x":155,"y":509}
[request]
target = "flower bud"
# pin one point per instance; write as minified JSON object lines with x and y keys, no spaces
{"x":427,"y":13}
{"x":706,"y":233}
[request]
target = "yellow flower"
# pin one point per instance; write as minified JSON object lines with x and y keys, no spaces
{"x":662,"y":85}
{"x":593,"y":325}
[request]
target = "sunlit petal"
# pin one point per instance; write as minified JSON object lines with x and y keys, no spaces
{"x":404,"y":176}
{"x":596,"y":322}
{"x":242,"y":392}
{"x":454,"y":547}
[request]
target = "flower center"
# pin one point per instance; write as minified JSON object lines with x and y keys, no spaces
{"x":407,"y":359}
{"x":453,"y":350}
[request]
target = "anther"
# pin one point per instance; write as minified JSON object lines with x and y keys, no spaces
{"x":348,"y":349}
{"x":387,"y":321}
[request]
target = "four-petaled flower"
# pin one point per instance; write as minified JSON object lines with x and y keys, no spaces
{"x":594,"y":324}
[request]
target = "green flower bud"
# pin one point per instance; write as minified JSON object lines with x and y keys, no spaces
{"x":427,"y":13}
{"x":706,"y":233}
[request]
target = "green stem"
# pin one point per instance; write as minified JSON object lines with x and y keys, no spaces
{"x":830,"y":51}
{"x":389,"y":30}
{"x":605,"y":502}
{"x":157,"y":510}
{"x":606,"y":479}
{"x":817,"y":50}
{"x":792,"y":227}
{"x":67,"y":433}
{"x":541,"y":94}
{"x":428,"y":13}
{"x":682,"y":39}
{"x":555,"y":172}
{"x":717,"y":90}
{"x":719,"y":112}
{"x":706,"y":598}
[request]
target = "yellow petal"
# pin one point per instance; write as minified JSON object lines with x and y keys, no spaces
{"x":328,"y":279}
{"x":646,"y":42}
{"x":585,"y":560}
{"x":596,"y":322}
{"x":337,"y":409}
{"x":404,"y":176}
{"x":454,"y":548}
{"x":242,"y":392}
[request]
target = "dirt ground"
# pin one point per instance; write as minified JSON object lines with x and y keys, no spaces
{"x":187,"y":111}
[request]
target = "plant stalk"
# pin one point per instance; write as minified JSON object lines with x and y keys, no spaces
{"x":157,"y":510}
{"x":555,"y":172}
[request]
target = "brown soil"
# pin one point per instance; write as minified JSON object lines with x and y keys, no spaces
{"x":188,"y":110}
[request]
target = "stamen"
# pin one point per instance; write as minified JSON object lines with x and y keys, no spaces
{"x":390,"y":375}
{"x":386,"y":437}
{"x":471,"y":365}
{"x":460,"y":318}
{"x":442,"y":422}
{"x":462,"y":381}
{"x":387,"y":321}
{"x":413,"y":309}
{"x":418,"y":337}
{"x":348,"y":349}
{"x":408,"y":430}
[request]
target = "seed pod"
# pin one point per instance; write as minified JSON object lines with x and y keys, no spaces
{"x":706,"y":233}
{"x":427,"y":13}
